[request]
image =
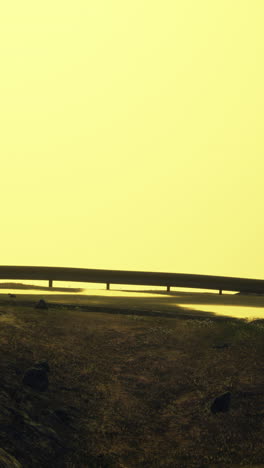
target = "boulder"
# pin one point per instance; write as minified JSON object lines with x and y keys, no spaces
{"x":36,"y":377}
{"x":36,"y":431}
{"x":221,"y":403}
{"x":41,"y":304}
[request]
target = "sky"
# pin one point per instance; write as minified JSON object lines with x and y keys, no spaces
{"x":132,"y":135}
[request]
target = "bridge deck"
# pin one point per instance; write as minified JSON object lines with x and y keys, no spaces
{"x":140,"y":278}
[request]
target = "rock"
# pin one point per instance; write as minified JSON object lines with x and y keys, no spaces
{"x":8,"y":461}
{"x":41,"y":304}
{"x":33,"y":428}
{"x":221,"y":403}
{"x":36,"y":377}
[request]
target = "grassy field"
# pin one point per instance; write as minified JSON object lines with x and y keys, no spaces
{"x":143,"y":384}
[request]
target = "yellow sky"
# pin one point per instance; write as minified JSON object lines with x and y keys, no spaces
{"x":132,"y":135}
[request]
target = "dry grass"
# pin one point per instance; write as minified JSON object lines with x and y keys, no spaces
{"x":145,"y":384}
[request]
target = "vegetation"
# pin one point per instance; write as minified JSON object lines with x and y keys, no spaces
{"x":143,"y":385}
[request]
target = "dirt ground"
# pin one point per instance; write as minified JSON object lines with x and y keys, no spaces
{"x":143,"y":382}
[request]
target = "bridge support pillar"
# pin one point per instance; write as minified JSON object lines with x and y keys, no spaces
{"x":168,"y":288}
{"x":50,"y":283}
{"x":107,"y":285}
{"x":220,"y":291}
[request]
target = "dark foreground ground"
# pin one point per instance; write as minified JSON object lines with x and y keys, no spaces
{"x":128,"y":388}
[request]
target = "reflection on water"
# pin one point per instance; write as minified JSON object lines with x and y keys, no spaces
{"x":232,"y":305}
{"x":84,"y":292}
{"x":251,"y":313}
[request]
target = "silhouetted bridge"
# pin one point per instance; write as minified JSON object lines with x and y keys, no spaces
{"x":140,"y":278}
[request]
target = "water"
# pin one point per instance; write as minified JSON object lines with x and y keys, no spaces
{"x":230,"y":304}
{"x":249,"y":313}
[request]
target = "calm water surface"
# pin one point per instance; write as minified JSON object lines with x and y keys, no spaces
{"x":233,"y":305}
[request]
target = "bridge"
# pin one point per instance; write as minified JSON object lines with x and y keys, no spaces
{"x":140,"y":278}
